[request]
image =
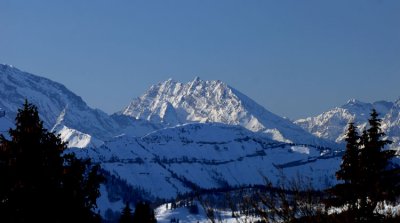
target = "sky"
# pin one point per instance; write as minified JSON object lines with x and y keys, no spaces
{"x":295,"y":58}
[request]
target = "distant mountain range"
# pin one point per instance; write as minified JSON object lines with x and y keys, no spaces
{"x":180,"y":137}
{"x":166,"y":104}
{"x":332,"y":125}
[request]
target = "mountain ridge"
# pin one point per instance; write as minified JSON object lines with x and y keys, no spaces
{"x":333,"y":123}
{"x":166,"y":104}
{"x":59,"y":108}
{"x":171,"y":103}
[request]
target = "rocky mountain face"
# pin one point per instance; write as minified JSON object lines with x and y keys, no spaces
{"x":61,"y":110}
{"x":171,"y":103}
{"x":332,"y":124}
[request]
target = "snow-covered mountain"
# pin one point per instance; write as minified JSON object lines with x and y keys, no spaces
{"x":194,"y":156}
{"x":164,"y":105}
{"x":61,"y":110}
{"x":391,"y":125}
{"x":181,"y":137}
{"x":171,"y":103}
{"x":332,"y":125}
{"x":176,"y":137}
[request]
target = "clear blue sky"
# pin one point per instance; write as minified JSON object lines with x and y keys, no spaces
{"x":296,"y":58}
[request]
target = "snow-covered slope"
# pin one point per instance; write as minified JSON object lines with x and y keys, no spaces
{"x":332,"y":125}
{"x":171,"y":103}
{"x":391,"y":125}
{"x":135,"y":127}
{"x":60,"y":109}
{"x":181,"y":159}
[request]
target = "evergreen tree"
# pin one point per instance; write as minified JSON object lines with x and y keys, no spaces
{"x":126,"y":215}
{"x":349,"y":168}
{"x":379,"y":181}
{"x":39,"y":183}
{"x":366,"y":171}
{"x":347,"y":192}
{"x":80,"y":189}
{"x":144,"y":213}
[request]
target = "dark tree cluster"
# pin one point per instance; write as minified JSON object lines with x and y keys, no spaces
{"x":367,"y":174}
{"x":126,"y":215}
{"x":144,"y":213}
{"x":38,"y":182}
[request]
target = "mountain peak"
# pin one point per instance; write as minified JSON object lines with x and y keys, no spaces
{"x":357,"y":105}
{"x":174,"y":103}
{"x":351,"y":100}
{"x":5,"y":66}
{"x":196,"y":79}
{"x":354,"y":101}
{"x":170,"y":80}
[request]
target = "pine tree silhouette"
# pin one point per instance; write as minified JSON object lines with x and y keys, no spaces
{"x":38,"y":183}
{"x":347,"y":192}
{"x":144,"y":213}
{"x":379,"y":181}
{"x":369,"y":177}
{"x":126,"y":215}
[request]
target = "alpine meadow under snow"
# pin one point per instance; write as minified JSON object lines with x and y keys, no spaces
{"x":179,"y":138}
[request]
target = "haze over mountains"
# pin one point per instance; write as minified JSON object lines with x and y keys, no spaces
{"x":180,"y":137}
